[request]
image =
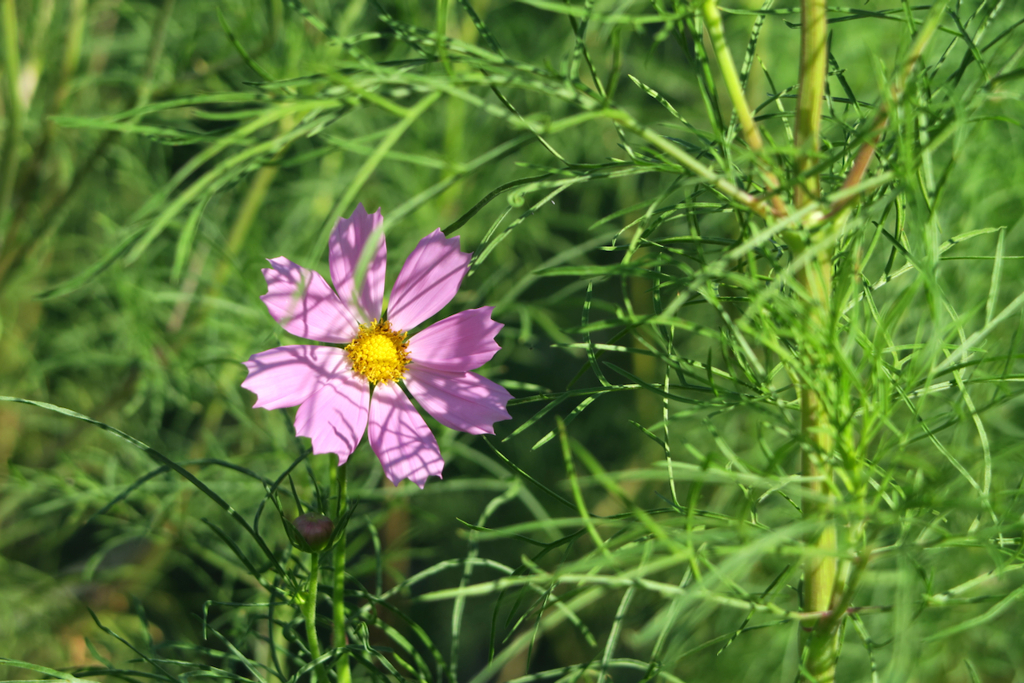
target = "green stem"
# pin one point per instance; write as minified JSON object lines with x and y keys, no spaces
{"x":733,"y":84}
{"x":156,"y":49}
{"x":343,"y":669}
{"x":719,"y":182}
{"x":713,"y":21}
{"x":820,"y":644}
{"x":309,"y":614}
{"x":12,"y":71}
{"x":811,"y":94}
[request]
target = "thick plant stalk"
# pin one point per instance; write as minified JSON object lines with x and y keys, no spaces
{"x":811,"y":94}
{"x":820,"y":641}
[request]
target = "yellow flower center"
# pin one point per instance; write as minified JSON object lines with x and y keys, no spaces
{"x":379,"y":353}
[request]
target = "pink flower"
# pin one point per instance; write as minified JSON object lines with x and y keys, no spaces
{"x":341,"y":389}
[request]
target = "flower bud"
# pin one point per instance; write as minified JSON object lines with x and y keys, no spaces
{"x":315,"y":529}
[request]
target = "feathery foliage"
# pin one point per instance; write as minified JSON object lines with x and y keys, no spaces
{"x":673,"y":284}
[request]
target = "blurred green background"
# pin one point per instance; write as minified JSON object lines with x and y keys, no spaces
{"x":129,"y":285}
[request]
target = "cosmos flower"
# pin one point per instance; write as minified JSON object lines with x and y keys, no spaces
{"x":356,"y":381}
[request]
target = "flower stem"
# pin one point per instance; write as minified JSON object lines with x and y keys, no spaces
{"x":343,"y":670}
{"x":309,"y":614}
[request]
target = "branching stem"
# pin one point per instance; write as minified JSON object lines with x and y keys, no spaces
{"x":881,"y":120}
{"x":734,"y":85}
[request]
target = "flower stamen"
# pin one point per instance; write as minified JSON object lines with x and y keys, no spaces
{"x":379,"y":353}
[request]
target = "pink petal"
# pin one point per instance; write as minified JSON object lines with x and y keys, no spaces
{"x":334,"y":416}
{"x":348,"y":240}
{"x":460,"y":342}
{"x":428,"y":281}
{"x":305,"y":305}
{"x":401,"y":439}
{"x":461,"y":400}
{"x":286,"y":376}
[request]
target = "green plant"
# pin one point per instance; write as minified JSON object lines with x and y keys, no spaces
{"x":758,"y":315}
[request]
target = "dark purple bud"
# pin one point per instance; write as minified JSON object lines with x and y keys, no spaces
{"x":315,"y":529}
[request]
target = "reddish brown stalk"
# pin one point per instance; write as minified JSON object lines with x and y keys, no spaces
{"x":867,"y":150}
{"x":859,"y":168}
